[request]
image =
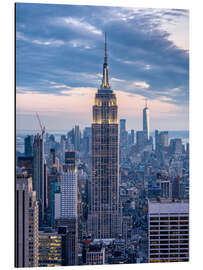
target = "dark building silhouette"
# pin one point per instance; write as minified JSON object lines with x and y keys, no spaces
{"x":28,"y":145}
{"x":39,"y":183}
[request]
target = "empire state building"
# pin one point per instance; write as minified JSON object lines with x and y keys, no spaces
{"x":104,"y":220}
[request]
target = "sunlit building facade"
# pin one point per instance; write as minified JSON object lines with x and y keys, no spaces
{"x":104,"y":220}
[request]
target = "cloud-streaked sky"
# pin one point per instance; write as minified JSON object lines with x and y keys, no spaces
{"x":59,"y":58}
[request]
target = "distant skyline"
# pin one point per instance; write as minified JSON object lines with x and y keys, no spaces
{"x":59,"y":57}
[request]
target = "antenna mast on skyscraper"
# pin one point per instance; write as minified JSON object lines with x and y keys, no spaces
{"x":42,"y":128}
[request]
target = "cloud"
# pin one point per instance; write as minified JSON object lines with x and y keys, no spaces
{"x":51,"y":42}
{"x":140,"y":85}
{"x":77,"y":43}
{"x":78,"y":24}
{"x":20,"y":36}
{"x":60,"y":86}
{"x":147,"y":67}
{"x":31,"y":102}
{"x":63,"y":46}
{"x":117,"y":80}
{"x":77,"y":104}
{"x":26,"y":90}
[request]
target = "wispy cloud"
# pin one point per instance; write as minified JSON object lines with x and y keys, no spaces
{"x":140,"y":85}
{"x":60,"y":86}
{"x":77,"y":43}
{"x":21,"y":36}
{"x":49,"y":42}
{"x":78,"y":24}
{"x":117,"y":80}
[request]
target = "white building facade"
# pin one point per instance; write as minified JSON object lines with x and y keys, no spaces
{"x":69,"y":195}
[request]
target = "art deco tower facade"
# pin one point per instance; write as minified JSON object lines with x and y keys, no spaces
{"x":104,"y":220}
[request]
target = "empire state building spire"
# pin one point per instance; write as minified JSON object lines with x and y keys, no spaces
{"x":105,"y":81}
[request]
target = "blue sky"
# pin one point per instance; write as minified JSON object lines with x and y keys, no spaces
{"x":59,"y":57}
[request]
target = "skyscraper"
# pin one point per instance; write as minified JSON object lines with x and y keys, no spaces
{"x":146,"y":121}
{"x":122,"y":125}
{"x":140,"y":138}
{"x":26,"y":223}
{"x":69,"y":187}
{"x":77,"y":138}
{"x":104,"y":220}
{"x":123,"y":133}
{"x":168,"y":231}
{"x":38,"y":174}
{"x":69,"y":218}
{"x":163,"y":138}
{"x":176,"y":146}
{"x":132,"y":136}
{"x":28,"y":145}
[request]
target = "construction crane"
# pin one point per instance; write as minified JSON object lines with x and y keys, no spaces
{"x":42,"y":128}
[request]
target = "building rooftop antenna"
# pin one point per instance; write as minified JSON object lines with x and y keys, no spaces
{"x":41,"y":127}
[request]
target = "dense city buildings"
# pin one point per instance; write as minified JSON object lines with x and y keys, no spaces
{"x":104,"y":220}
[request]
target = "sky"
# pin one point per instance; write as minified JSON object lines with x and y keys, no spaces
{"x":59,"y":60}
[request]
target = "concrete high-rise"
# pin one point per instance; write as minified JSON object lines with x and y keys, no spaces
{"x":161,"y":140}
{"x":122,"y":125}
{"x":104,"y":220}
{"x":146,"y":122}
{"x":69,"y":187}
{"x":26,"y":223}
{"x":132,"y":136}
{"x":168,"y":231}
{"x":123,"y":133}
{"x":69,"y":217}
